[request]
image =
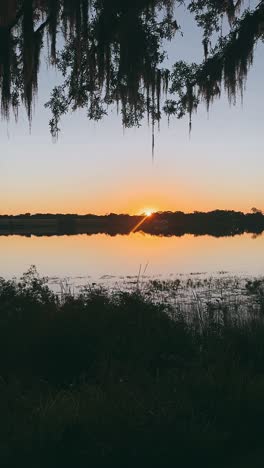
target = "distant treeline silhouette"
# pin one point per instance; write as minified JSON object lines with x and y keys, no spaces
{"x":111,"y":52}
{"x":216,"y":223}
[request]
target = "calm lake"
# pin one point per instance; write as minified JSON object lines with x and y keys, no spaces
{"x":96,"y":258}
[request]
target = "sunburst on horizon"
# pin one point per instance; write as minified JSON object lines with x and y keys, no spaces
{"x":148,"y":212}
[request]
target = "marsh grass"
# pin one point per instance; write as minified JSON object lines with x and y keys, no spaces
{"x":117,"y":378}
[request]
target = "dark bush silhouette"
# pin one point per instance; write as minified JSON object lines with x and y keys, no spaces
{"x":110,"y":379}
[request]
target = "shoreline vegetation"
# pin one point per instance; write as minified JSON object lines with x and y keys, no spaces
{"x":111,"y":378}
{"x":215,"y":223}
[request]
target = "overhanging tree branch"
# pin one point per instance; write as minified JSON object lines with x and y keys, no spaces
{"x":228,"y":64}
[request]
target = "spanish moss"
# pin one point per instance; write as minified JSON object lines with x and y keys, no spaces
{"x":110,"y":53}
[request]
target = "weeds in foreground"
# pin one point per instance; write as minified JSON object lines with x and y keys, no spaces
{"x":114,"y":379}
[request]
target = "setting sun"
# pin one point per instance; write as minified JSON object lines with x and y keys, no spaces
{"x":148,"y":212}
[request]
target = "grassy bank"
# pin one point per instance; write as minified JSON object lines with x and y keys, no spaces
{"x":113,"y":379}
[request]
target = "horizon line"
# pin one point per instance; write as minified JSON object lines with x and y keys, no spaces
{"x":28,"y":214}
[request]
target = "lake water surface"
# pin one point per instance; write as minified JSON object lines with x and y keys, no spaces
{"x":103,"y":258}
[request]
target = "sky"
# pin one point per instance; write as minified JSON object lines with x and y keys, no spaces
{"x":99,"y":168}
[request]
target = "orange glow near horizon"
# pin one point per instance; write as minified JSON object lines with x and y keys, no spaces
{"x":144,"y":201}
{"x":144,"y":205}
{"x":148,"y":212}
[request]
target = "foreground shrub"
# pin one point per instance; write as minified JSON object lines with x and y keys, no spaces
{"x":113,"y":379}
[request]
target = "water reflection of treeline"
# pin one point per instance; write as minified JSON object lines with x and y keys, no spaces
{"x":216,"y":223}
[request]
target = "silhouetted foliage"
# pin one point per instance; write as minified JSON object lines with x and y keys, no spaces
{"x":228,"y":63}
{"x":111,"y":380}
{"x":216,"y":223}
{"x":111,"y":52}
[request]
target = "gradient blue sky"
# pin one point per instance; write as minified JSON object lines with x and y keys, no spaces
{"x":98,"y":168}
